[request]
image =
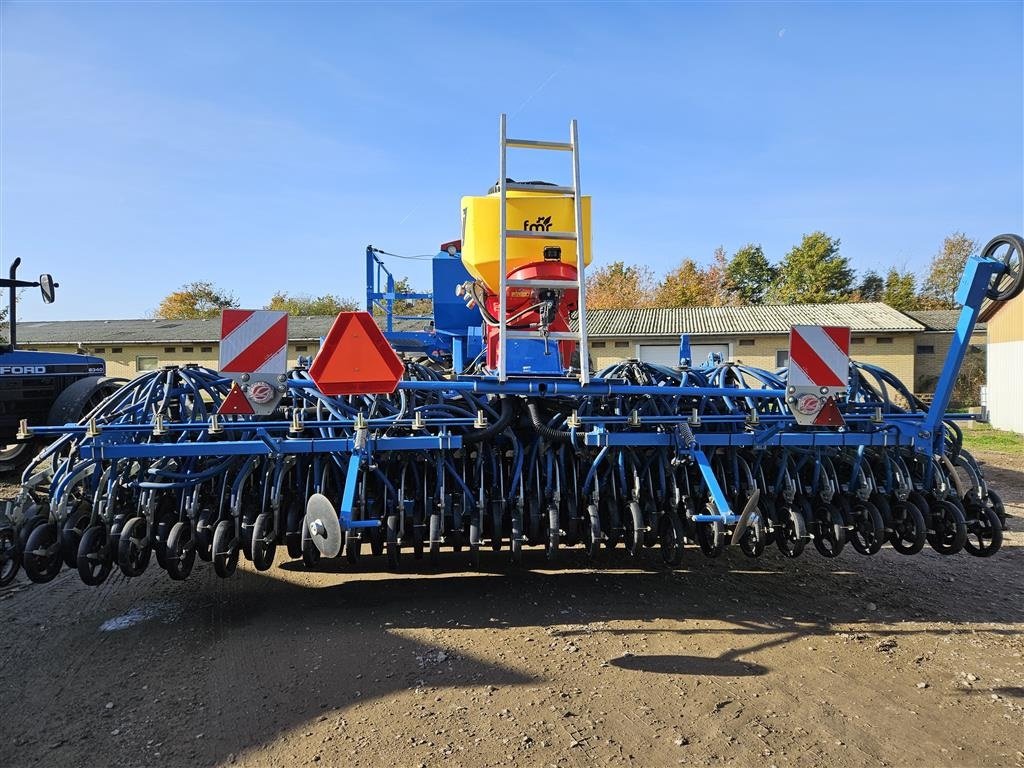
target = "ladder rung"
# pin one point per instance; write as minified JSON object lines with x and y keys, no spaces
{"x":552,"y":335}
{"x":531,"y":235}
{"x":564,"y":146}
{"x":551,"y":189}
{"x":555,"y":284}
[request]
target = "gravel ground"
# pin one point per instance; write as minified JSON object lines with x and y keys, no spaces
{"x":850,"y":662}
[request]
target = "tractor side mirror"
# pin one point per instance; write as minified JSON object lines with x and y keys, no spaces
{"x":48,"y":288}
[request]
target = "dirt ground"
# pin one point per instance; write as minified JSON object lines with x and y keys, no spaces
{"x":858,"y":661}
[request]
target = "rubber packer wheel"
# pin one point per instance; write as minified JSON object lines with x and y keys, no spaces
{"x":93,"y":561}
{"x":180,"y":554}
{"x":224,"y":550}
{"x":263,"y":545}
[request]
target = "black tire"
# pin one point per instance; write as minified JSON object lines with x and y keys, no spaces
{"x":613,"y":530}
{"x":868,"y":532}
{"x":755,"y":538}
{"x":909,"y":530}
{"x":497,"y":522}
{"x":711,"y":538}
{"x":984,"y":534}
{"x":224,"y":550}
{"x":165,"y":521}
{"x":93,"y":561}
{"x":81,"y":397}
{"x":475,"y":528}
{"x":353,"y":541}
{"x":134,"y":547}
{"x":593,"y":531}
{"x":264,"y":543}
{"x":671,"y":538}
{"x":435,"y":539}
{"x":1007,"y":284}
{"x":394,"y":548}
{"x":28,"y":525}
{"x":516,"y":539}
{"x":10,"y":555}
{"x":831,"y":538}
{"x":636,"y":530}
{"x":310,"y":554}
{"x":42,"y":557}
{"x":180,"y":550}
{"x":202,"y":536}
{"x":997,"y":506}
{"x":293,"y":536}
{"x":554,"y":538}
{"x":948,"y":528}
{"x":71,"y":533}
{"x":791,"y":533}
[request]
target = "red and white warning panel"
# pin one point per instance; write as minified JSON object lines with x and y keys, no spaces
{"x":819,"y":370}
{"x":253,"y":341}
{"x":254,"y":352}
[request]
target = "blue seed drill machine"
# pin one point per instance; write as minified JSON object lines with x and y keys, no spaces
{"x":494,"y":432}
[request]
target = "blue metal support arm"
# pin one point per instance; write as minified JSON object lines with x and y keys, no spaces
{"x":978,"y":274}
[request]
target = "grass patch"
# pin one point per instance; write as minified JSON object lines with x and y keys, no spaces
{"x":983,"y":437}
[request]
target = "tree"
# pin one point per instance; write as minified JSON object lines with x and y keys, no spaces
{"x":303,"y":304}
{"x":617,"y":286}
{"x":814,"y":272}
{"x":871,"y":287}
{"x":689,"y":284}
{"x":750,"y":274}
{"x":900,"y":290}
{"x":684,"y":286}
{"x":3,"y":322}
{"x":946,"y":269}
{"x":194,"y":301}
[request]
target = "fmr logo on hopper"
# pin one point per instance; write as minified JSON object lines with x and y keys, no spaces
{"x":542,"y":224}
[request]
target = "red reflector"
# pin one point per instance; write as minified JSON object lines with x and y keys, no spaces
{"x":235,"y":403}
{"x":356,"y":359}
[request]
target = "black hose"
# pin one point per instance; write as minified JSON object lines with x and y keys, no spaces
{"x":507,"y":413}
{"x":548,"y":433}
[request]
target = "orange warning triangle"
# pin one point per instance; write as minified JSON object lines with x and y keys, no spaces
{"x":235,"y":403}
{"x":356,"y":358}
{"x":829,"y":415}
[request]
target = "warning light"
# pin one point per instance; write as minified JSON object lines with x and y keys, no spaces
{"x":356,"y":359}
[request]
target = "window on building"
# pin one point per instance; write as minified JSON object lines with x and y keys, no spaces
{"x":621,"y":343}
{"x":98,"y":350}
{"x":746,"y":342}
{"x":206,"y":349}
{"x":857,"y":340}
{"x":597,"y":344}
{"x":146,"y":363}
{"x":186,"y":349}
{"x":781,"y":358}
{"x":301,"y":348}
{"x":169,"y":350}
{"x":926,"y":349}
{"x":116,"y":350}
{"x":883,"y":340}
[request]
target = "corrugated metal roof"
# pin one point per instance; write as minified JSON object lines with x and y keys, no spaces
{"x":698,"y":321}
{"x":751,"y":320}
{"x":940,"y":319}
{"x":300,"y":328}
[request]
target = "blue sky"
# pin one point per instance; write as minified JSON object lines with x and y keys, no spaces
{"x":262,"y":146}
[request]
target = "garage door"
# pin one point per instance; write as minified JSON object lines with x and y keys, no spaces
{"x":668,"y":354}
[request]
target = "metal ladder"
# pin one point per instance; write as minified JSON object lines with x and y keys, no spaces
{"x":505,"y":186}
